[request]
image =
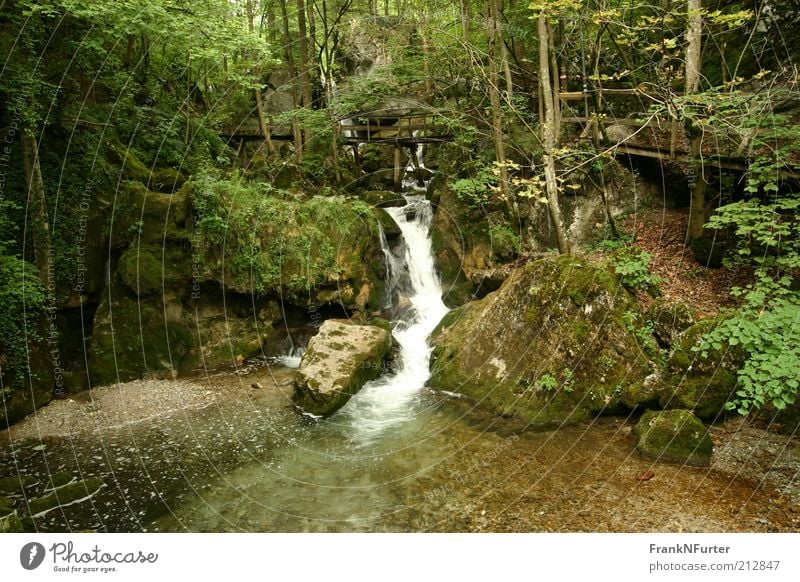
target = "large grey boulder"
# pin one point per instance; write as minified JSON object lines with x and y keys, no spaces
{"x":339,"y":360}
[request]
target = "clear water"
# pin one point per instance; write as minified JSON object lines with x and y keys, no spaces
{"x":397,"y":457}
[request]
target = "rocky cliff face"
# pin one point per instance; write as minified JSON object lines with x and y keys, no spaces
{"x":193,"y":285}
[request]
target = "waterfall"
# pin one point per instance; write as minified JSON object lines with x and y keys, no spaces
{"x":291,"y":359}
{"x":386,"y":401}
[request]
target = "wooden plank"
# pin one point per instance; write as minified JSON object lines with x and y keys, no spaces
{"x":384,"y":128}
{"x":572,"y":96}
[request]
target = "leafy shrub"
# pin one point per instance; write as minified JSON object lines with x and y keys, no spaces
{"x":767,"y":326}
{"x":632,"y":267}
{"x":476,"y":192}
{"x":22,"y":300}
{"x":771,"y":337}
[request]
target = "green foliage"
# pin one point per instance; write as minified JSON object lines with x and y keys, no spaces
{"x":771,"y":338}
{"x":506,"y":243}
{"x":767,"y":326}
{"x":632,"y":267}
{"x":22,"y":301}
{"x":477,"y":191}
{"x":547,"y":383}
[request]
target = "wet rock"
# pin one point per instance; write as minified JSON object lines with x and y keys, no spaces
{"x":339,"y":360}
{"x":69,"y":494}
{"x":555,"y":344}
{"x":11,"y":523}
{"x":673,"y":436}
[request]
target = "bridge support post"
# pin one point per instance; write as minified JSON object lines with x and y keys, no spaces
{"x":398,"y":176}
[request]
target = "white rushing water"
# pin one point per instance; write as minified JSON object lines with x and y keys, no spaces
{"x":387,"y":401}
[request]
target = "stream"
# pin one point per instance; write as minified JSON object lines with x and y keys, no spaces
{"x":397,"y":457}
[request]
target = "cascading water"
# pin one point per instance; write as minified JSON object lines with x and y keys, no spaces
{"x":385,"y":402}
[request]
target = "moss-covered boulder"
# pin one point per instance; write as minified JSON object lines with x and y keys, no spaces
{"x":168,"y":333}
{"x":555,"y":344}
{"x":312,"y":252}
{"x":339,"y":360}
{"x":141,"y":272}
{"x":700,"y":384}
{"x":675,"y":436}
{"x":670,"y":319}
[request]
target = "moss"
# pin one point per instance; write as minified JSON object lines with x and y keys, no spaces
{"x":140,"y":271}
{"x":561,"y":317}
{"x":63,"y":496}
{"x":674,"y":436}
{"x":6,"y":505}
{"x":381,"y":323}
{"x":132,"y":168}
{"x":166,"y":180}
{"x":670,"y":319}
{"x":15,"y":484}
{"x":700,"y":384}
{"x":133,"y":337}
{"x":11,"y":523}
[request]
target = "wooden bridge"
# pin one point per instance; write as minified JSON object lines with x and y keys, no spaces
{"x":651,"y":136}
{"x":639,"y":135}
{"x":401,"y":129}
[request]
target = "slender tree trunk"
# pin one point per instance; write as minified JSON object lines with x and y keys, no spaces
{"x":549,"y":137}
{"x":305,"y":82}
{"x":556,"y":83}
{"x":38,"y":208}
{"x":503,"y":50}
{"x":697,"y":208}
{"x":262,"y":122}
{"x":425,"y":54}
{"x":494,"y":99}
{"x":465,"y":18}
{"x":287,"y":48}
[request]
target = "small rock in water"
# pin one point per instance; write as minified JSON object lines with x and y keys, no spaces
{"x":646,"y":476}
{"x":256,"y":385}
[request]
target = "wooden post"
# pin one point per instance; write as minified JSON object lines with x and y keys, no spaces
{"x":673,"y":137}
{"x":397,"y":175}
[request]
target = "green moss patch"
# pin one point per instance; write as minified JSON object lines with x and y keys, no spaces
{"x":674,"y":436}
{"x":552,"y":345}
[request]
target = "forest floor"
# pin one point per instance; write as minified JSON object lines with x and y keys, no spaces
{"x":661,"y":232}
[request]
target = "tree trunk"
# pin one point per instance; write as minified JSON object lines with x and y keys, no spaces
{"x":549,"y":137}
{"x":697,"y":209}
{"x":305,"y":83}
{"x":503,"y":48}
{"x":693,"y":37}
{"x":287,"y":51}
{"x":40,"y":222}
{"x":494,"y":98}
{"x":262,"y":122}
